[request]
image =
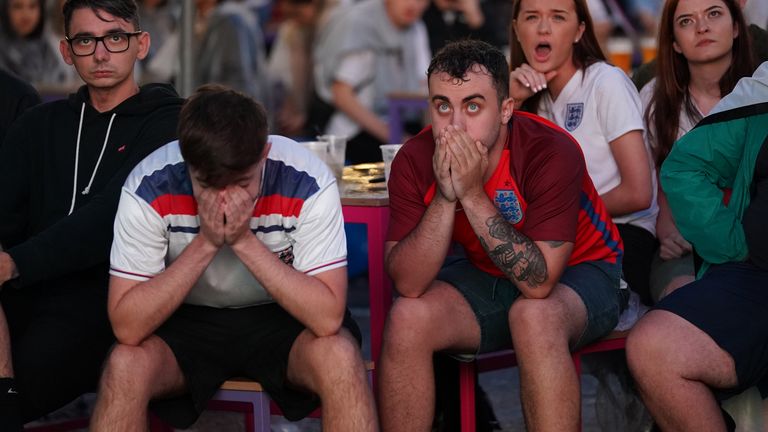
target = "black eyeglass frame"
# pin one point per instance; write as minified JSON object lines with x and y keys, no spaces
{"x":98,"y":39}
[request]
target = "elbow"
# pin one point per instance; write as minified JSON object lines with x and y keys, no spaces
{"x":540,"y":292}
{"x":328,"y":326}
{"x":408,"y":289}
{"x":125,"y":336}
{"x":127,"y":332}
{"x":641,"y":200}
{"x":645,"y":198}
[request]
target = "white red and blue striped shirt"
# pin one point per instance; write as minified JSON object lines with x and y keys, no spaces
{"x":298,"y":217}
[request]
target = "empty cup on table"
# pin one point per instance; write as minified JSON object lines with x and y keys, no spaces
{"x":388,"y":152}
{"x":319,"y":148}
{"x":337,"y":147}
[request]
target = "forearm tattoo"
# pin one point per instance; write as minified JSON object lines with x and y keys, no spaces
{"x":517,"y":256}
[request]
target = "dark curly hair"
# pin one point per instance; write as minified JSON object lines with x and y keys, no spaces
{"x":458,"y":58}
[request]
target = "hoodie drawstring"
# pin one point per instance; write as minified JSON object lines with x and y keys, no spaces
{"x":87,"y":189}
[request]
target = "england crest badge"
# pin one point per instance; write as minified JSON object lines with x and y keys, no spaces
{"x":509,"y":206}
{"x":573,"y":115}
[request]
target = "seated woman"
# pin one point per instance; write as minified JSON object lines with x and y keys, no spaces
{"x":28,"y":50}
{"x":704,"y":49}
{"x":559,"y":72}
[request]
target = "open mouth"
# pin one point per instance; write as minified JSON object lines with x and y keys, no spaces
{"x":542,"y":50}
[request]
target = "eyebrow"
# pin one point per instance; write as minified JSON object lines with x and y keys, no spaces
{"x":705,"y":10}
{"x":466,"y":99}
{"x":108,"y":32}
{"x":530,"y":11}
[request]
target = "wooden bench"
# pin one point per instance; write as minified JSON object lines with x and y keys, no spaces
{"x":505,"y":359}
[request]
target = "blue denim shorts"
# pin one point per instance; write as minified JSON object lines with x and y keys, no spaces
{"x":596,"y":282}
{"x":730,"y":304}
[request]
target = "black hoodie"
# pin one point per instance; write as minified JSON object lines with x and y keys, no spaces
{"x":50,"y":232}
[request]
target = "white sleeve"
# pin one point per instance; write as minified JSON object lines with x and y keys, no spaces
{"x":140,"y":244}
{"x":319,"y":240}
{"x":618,"y":104}
{"x":356,"y":68}
{"x":423,"y":53}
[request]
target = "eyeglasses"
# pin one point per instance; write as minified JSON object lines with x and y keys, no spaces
{"x":114,"y":42}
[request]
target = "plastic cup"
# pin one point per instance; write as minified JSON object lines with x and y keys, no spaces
{"x":319,"y":148}
{"x":620,"y":53}
{"x":648,"y":47}
{"x":388,"y":152}
{"x":337,"y":147}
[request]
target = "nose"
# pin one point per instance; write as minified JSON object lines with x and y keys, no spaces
{"x":458,"y":120}
{"x":100,"y":52}
{"x":544,"y":26}
{"x":702,"y":25}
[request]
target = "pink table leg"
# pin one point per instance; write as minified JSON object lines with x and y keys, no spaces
{"x":379,"y":286}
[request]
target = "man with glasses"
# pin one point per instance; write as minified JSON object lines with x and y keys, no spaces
{"x":61,"y":169}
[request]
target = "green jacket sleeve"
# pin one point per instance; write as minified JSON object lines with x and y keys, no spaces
{"x":701,"y":164}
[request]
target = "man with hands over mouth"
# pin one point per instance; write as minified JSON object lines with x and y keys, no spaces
{"x":543,"y":259}
{"x":229,"y":259}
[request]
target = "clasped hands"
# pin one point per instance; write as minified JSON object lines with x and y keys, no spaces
{"x":225,"y":215}
{"x":459,"y":163}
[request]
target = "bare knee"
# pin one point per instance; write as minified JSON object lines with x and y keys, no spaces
{"x":407,"y":323}
{"x":330,"y":360}
{"x":646,"y":347}
{"x":126,"y":365}
{"x":536,"y":319}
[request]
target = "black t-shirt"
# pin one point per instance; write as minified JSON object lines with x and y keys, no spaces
{"x":756,"y":215}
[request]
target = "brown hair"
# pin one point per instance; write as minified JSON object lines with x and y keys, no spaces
{"x":222,"y":133}
{"x":585,"y":52}
{"x":671,"y":96}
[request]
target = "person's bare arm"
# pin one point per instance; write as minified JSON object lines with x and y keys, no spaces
{"x":534,"y":267}
{"x":136,"y":309}
{"x":413,"y":262}
{"x":634,"y":192}
{"x":317,"y":301}
{"x":346,"y":101}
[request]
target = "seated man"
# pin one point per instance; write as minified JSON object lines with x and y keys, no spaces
{"x":62,"y":165}
{"x":362,"y":54}
{"x":544,"y":258}
{"x":708,"y":340}
{"x":229,"y":260}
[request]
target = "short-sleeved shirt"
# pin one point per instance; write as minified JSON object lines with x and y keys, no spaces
{"x":540,"y":186}
{"x":598,"y":105}
{"x":297,"y":216}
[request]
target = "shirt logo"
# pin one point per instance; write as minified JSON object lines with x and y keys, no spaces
{"x":573,"y":115}
{"x":509,"y":206}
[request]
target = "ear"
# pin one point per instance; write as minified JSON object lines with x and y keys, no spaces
{"x":65,"y":54}
{"x":676,"y":47}
{"x":580,"y":33}
{"x":735,"y":30}
{"x":514,"y":27}
{"x":144,"y":42}
{"x":267,"y":148}
{"x":507,"y":109}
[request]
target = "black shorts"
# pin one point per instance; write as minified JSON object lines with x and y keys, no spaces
{"x":212,"y":345}
{"x":730,"y":304}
